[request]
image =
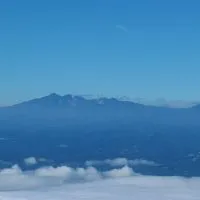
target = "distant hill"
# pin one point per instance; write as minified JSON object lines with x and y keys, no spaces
{"x":70,"y":110}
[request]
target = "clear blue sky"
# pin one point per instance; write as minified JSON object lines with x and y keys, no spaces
{"x":143,"y":48}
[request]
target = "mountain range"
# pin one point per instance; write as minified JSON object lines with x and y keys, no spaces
{"x":159,"y":102}
{"x":69,"y":110}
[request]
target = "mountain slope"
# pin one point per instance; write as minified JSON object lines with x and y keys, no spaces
{"x":68,"y":109}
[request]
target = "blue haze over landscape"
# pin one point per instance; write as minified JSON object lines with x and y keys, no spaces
{"x":68,"y":139}
{"x":73,"y":129}
{"x":99,"y":100}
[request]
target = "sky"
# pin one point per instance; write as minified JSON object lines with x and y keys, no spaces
{"x":147,"y":49}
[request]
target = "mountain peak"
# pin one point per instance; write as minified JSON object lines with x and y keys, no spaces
{"x":54,"y":95}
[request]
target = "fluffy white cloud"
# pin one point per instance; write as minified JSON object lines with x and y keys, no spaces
{"x":134,"y":188}
{"x":56,"y":183}
{"x":33,"y":161}
{"x":30,"y":161}
{"x":15,"y":179}
{"x":118,"y":162}
{"x":62,"y":172}
{"x":123,"y":172}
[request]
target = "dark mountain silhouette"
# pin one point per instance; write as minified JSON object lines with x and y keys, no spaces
{"x":69,"y":110}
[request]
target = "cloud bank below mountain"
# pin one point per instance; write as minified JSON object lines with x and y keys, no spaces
{"x":118,"y":188}
{"x":15,"y":179}
{"x":120,"y":182}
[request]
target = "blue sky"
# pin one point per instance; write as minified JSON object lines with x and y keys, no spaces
{"x":143,"y":48}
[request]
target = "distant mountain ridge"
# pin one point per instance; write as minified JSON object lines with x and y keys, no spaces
{"x":71,"y":100}
{"x":68,"y":110}
{"x":160,"y":102}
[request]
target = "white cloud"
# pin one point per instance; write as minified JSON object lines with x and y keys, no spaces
{"x":30,"y":161}
{"x":120,"y":162}
{"x":134,"y":188}
{"x":123,"y":172}
{"x":55,"y":183}
{"x":117,"y":162}
{"x":121,"y":27}
{"x":33,"y":161}
{"x":59,"y":172}
{"x":15,"y":179}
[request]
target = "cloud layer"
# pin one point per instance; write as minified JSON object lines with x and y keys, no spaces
{"x":121,"y":182}
{"x":15,"y":179}
{"x":118,"y":162}
{"x":134,"y":188}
